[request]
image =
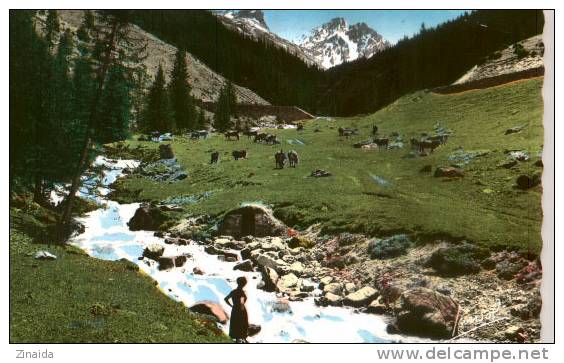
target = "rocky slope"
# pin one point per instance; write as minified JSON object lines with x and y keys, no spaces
{"x":251,"y":23}
{"x":336,"y":42}
{"x":521,"y":56}
{"x":206,"y":84}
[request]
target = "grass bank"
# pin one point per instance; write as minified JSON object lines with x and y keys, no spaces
{"x":79,"y":299}
{"x":382,"y":192}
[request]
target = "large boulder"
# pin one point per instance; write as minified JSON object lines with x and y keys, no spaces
{"x":270,"y":278}
{"x":360,"y":297}
{"x":147,"y":218}
{"x":210,"y":308}
{"x":165,"y":151}
{"x":287,"y":282}
{"x":427,"y":313}
{"x":251,"y":220}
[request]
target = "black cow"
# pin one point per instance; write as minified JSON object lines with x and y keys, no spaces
{"x":230,"y":134}
{"x":239,"y":154}
{"x":214,"y":157}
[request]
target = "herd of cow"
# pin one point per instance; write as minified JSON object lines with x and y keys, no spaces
{"x":422,"y":144}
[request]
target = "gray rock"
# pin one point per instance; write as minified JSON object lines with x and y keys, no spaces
{"x":246,"y":265}
{"x":45,"y":255}
{"x":361,"y":297}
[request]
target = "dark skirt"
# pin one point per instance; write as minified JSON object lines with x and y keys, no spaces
{"x":239,"y":324}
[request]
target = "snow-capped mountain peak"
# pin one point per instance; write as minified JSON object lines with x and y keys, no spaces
{"x":252,"y":18}
{"x":336,"y":42}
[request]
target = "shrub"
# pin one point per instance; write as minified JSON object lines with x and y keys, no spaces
{"x":458,"y":260}
{"x":520,"y":51}
{"x":389,"y":247}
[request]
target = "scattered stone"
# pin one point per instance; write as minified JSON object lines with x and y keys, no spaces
{"x":325,"y":280}
{"x":166,"y":263}
{"x":329,"y":299}
{"x":245,"y":253}
{"x":307,"y":286}
{"x":270,"y":278}
{"x":320,"y":173}
{"x":333,"y":288}
{"x":514,"y":130}
{"x":153,"y":251}
{"x":448,"y":172}
{"x":197,"y":271}
{"x":297,"y":268}
{"x":376,"y":307}
{"x":350,"y":287}
{"x":254,"y":329}
{"x":281,"y":305}
{"x":287,"y":282}
{"x":245,"y":265}
{"x":147,"y":217}
{"x":45,"y":255}
{"x":212,"y":309}
{"x":361,"y":297}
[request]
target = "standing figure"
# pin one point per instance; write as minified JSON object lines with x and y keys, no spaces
{"x":280,"y":158}
{"x":293,"y":158}
{"x":214,"y":157}
{"x":239,"y":323}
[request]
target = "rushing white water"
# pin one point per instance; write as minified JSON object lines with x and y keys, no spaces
{"x":107,"y":237}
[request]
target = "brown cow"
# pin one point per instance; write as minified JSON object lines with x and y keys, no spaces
{"x":230,"y":134}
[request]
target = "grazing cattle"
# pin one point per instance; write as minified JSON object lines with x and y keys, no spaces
{"x":239,"y":154}
{"x":250,"y":133}
{"x":214,"y":157}
{"x":293,"y":158}
{"x":347,"y":132}
{"x":260,"y":137}
{"x":230,"y":134}
{"x":442,"y":138}
{"x":271,"y":139}
{"x":300,"y":127}
{"x":199,"y":134}
{"x":280,"y":159}
{"x":382,"y":142}
{"x":374,"y":130}
{"x":428,"y":145}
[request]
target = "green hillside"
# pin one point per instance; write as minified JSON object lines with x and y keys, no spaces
{"x":382,"y":192}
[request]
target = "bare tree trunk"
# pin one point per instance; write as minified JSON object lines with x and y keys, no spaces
{"x":38,"y":190}
{"x":64,"y":223}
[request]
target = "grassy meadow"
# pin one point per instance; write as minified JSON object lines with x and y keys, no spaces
{"x":383,"y":192}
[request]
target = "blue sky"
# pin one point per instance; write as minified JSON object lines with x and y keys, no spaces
{"x":392,"y":24}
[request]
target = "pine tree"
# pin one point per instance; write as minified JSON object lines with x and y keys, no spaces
{"x":52,"y":26}
{"x":225,"y":107}
{"x":113,"y":50}
{"x":182,"y":103}
{"x":157,"y":115}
